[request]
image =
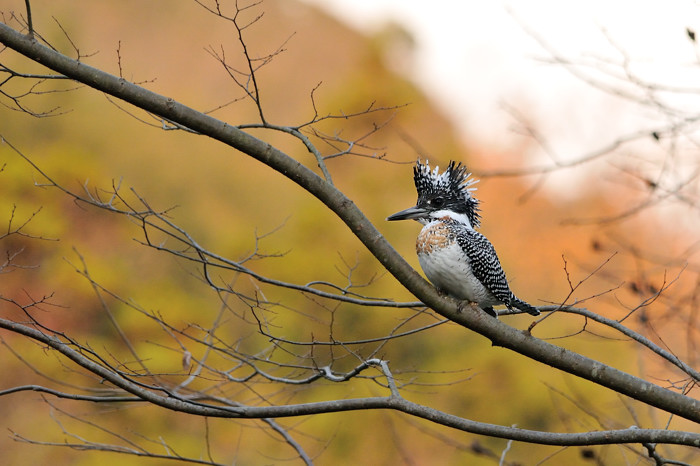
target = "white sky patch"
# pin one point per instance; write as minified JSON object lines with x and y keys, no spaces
{"x":471,"y":57}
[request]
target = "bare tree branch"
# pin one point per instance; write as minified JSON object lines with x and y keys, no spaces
{"x":175,"y":402}
{"x":499,"y":333}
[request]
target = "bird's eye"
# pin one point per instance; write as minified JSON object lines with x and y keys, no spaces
{"x":437,"y":202}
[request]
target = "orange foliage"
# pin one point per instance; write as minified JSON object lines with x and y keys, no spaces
{"x":224,"y":198}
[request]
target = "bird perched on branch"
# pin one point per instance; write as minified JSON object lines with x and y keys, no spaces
{"x":457,"y":259}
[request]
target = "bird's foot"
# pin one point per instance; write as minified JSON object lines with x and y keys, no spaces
{"x":462,"y":304}
{"x":441,"y":292}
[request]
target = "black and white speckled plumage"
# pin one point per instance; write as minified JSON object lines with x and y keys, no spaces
{"x":457,"y":259}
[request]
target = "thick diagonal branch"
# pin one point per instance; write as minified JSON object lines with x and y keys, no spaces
{"x":500,"y":334}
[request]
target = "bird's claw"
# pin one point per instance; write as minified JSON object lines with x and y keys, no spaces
{"x":462,"y":304}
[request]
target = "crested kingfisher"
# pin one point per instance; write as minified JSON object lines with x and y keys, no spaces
{"x":458,"y":260}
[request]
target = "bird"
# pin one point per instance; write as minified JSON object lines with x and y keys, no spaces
{"x":458,"y":260}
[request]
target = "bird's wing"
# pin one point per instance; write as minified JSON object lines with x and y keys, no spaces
{"x":485,"y":264}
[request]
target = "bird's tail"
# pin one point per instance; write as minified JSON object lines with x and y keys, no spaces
{"x":523,"y":306}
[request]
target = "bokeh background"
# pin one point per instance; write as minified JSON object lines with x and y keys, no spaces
{"x":538,"y":222}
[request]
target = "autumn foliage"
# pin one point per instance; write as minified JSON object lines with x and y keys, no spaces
{"x":601,"y":236}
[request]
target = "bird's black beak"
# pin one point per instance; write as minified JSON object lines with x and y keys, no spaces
{"x":412,"y":213}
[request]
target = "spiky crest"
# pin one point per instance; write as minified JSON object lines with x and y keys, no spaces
{"x":453,"y":188}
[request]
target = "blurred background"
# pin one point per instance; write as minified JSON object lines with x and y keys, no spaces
{"x":579,"y":119}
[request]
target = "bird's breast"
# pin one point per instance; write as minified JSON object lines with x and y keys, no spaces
{"x":448,"y":266}
{"x":441,"y":257}
{"x":433,"y":237}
